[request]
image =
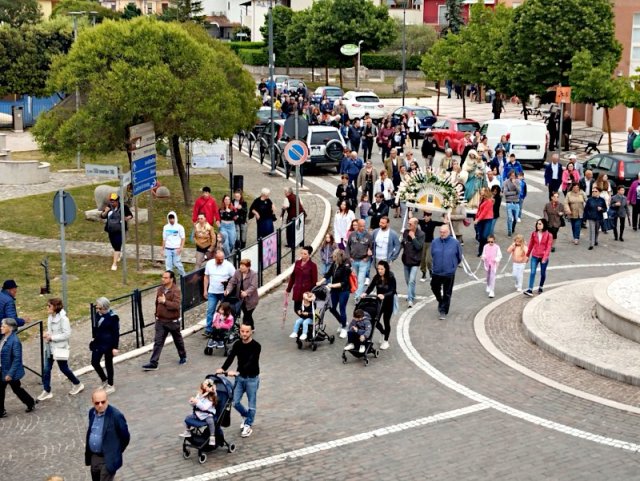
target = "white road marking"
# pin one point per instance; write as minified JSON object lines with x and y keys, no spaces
{"x":404,"y":340}
{"x":356,"y":438}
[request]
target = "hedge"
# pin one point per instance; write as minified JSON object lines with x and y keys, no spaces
{"x":253,"y":56}
{"x":389,"y":62}
{"x":237,"y":46}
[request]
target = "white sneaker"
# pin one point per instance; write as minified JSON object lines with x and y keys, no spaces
{"x":242,"y":424}
{"x":339,"y":330}
{"x":366,"y":281}
{"x":384,"y":345}
{"x":44,"y":395}
{"x":343,"y":333}
{"x":518,"y":289}
{"x":77,"y":389}
{"x":423,"y":279}
{"x":114,"y":267}
{"x":303,"y":337}
{"x":212,"y":441}
{"x":293,"y":335}
{"x":410,"y":303}
{"x":186,"y":434}
{"x":487,"y":290}
{"x":491,"y":294}
{"x":361,"y":349}
{"x":349,"y":346}
{"x":110,"y":389}
{"x":246,"y":431}
{"x":519,"y":220}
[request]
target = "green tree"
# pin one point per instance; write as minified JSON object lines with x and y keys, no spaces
{"x":594,"y":83}
{"x":420,"y":38}
{"x":281,"y":20}
{"x":296,"y":35}
{"x":184,"y":11}
{"x":19,"y":12}
{"x":191,"y":86}
{"x":63,"y":8}
{"x":346,"y":21}
{"x":544,"y":36}
{"x":454,"y":16}
{"x":26,"y":54}
{"x":131,"y":11}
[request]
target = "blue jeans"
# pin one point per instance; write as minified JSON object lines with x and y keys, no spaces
{"x":229,"y":231}
{"x":172,"y":259}
{"x":534,"y":267}
{"x":576,"y":225}
{"x":513,"y":211}
{"x":361,"y":270}
{"x":305,"y":323}
{"x":64,"y":368}
{"x":212,"y":303}
{"x":250,"y":386}
{"x":410,"y":274}
{"x":340,"y":298}
{"x":521,"y":203}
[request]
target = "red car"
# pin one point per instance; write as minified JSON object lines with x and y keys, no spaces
{"x":449,"y":133}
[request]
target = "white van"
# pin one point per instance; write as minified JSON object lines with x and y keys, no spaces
{"x":528,"y":138}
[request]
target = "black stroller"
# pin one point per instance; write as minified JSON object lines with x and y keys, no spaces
{"x":372,"y":306}
{"x":200,"y":431}
{"x":233,"y":334}
{"x":318,"y":330}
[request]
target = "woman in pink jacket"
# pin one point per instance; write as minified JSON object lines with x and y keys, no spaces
{"x":539,"y":249}
{"x":570,"y":175}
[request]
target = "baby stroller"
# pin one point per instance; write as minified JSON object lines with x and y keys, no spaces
{"x":233,"y":334}
{"x":318,"y":332}
{"x":372,"y":306}
{"x":200,"y":431}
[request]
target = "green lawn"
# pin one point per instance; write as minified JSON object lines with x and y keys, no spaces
{"x":94,"y":279}
{"x":33,"y":215}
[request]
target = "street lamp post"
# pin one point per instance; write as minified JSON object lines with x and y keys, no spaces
{"x":272,"y":89}
{"x":358,"y":66}
{"x":404,"y":47}
{"x":75,"y":37}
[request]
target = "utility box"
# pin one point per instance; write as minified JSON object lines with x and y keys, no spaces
{"x":17,"y":112}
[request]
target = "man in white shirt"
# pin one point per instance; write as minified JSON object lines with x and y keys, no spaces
{"x":492,"y":179}
{"x":217,"y":273}
{"x":172,"y":243}
{"x":385,"y":186}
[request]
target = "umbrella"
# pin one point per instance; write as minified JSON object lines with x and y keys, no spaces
{"x":285,"y":306}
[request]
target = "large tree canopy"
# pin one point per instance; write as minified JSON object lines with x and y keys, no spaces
{"x":19,"y":12}
{"x":26,"y":54}
{"x":544,"y":36}
{"x":281,"y":20}
{"x":191,"y":87}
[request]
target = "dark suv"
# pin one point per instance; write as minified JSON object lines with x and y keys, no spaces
{"x":621,"y":168}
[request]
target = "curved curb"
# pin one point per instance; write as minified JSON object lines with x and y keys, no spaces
{"x":490,"y":347}
{"x":262,"y":291}
{"x":616,"y":317}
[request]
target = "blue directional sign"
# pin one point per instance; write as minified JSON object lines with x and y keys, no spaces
{"x":144,"y":173}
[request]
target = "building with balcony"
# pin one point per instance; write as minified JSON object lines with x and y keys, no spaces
{"x":147,"y":7}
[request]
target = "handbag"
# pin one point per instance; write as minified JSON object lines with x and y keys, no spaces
{"x":562,"y":221}
{"x":60,"y":353}
{"x":353,"y":282}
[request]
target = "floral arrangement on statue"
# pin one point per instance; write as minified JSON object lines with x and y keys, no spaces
{"x":428,"y":192}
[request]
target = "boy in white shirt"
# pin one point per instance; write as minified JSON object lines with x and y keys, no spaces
{"x":172,"y":243}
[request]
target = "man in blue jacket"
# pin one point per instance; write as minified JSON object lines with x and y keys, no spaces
{"x":8,"y":302}
{"x":107,"y":438}
{"x":11,"y":368}
{"x":447,"y":255}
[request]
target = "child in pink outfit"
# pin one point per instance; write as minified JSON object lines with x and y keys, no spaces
{"x":491,"y":256}
{"x":222,"y":322}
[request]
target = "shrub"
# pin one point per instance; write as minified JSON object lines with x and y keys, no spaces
{"x":237,"y":46}
{"x":253,"y":56}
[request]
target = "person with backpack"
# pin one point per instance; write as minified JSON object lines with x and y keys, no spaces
{"x":113,"y":226}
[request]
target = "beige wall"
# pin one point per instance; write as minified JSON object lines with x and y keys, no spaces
{"x":46,"y":6}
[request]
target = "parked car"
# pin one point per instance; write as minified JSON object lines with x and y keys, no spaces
{"x":280,"y":81}
{"x":358,"y":103}
{"x":449,"y":132}
{"x":426,"y":116}
{"x":528,"y":139}
{"x":263,"y":117}
{"x":326,"y":146}
{"x":293,"y":84}
{"x":621,"y":168}
{"x":332,"y":93}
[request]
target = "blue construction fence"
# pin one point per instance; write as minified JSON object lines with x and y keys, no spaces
{"x":32,"y":107}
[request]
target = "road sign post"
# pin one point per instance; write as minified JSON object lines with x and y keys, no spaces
{"x":125,"y":180}
{"x":64,"y":210}
{"x":563,"y":96}
{"x":296,"y":153}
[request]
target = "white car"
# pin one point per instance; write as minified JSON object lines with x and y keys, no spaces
{"x":358,"y":103}
{"x":326,"y":146}
{"x":280,"y":81}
